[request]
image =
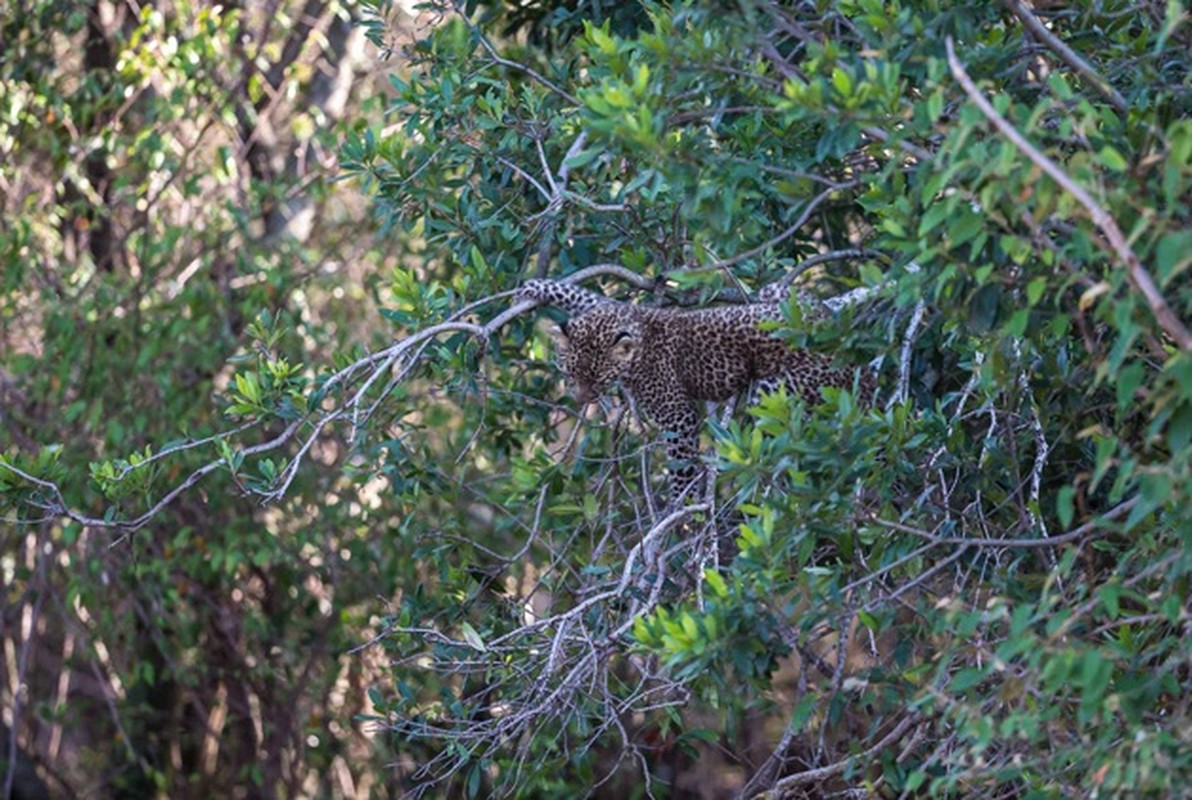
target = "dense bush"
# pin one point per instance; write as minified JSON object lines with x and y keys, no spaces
{"x":979,"y":586}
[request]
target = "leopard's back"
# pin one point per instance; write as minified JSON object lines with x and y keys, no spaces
{"x":718,"y":353}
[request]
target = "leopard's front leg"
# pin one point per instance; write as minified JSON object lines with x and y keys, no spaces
{"x":679,"y":422}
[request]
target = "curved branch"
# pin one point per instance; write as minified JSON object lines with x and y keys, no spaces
{"x":504,"y":62}
{"x":832,"y":255}
{"x":634,"y":279}
{"x":376,"y":363}
{"x":61,"y":507}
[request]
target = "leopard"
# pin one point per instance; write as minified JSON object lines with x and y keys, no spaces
{"x":672,"y":362}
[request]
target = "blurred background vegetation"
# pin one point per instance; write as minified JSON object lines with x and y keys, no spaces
{"x":168,"y":175}
{"x":283,"y":516}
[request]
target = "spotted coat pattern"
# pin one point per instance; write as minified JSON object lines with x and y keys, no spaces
{"x":671,"y":362}
{"x":575,"y":300}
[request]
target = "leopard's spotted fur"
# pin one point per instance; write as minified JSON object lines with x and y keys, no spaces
{"x":671,"y":362}
{"x":575,"y":300}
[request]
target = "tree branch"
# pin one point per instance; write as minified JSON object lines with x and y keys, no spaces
{"x":1137,"y":275}
{"x":902,"y":392}
{"x":545,"y":248}
{"x":808,"y":210}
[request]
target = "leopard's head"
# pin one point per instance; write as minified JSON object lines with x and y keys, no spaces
{"x":597,"y":348}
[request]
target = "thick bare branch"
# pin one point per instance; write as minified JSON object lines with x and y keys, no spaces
{"x":904,"y":357}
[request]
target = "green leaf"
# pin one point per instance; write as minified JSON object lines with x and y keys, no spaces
{"x":1016,"y":326}
{"x":802,"y":712}
{"x":966,"y":679}
{"x":965,"y":228}
{"x":1064,"y":505}
{"x":1173,"y":255}
{"x":871,"y":275}
{"x":913,"y":781}
{"x":478,"y":262}
{"x":1111,"y":159}
{"x":472,"y":637}
{"x":582,"y":158}
{"x":842,"y":82}
{"x":1179,"y":429}
{"x":716,"y":582}
{"x":1035,"y":289}
{"x":935,"y":215}
{"x":983,"y":308}
{"x":1108,"y":595}
{"x":935,"y":105}
{"x":1128,"y":381}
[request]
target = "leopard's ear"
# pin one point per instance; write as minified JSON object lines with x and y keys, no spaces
{"x":624,"y":348}
{"x":560,"y":334}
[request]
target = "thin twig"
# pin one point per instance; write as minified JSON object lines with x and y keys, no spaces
{"x":560,"y":189}
{"x":1067,"y":54}
{"x":525,"y":176}
{"x":808,"y":210}
{"x":504,"y":62}
{"x":1048,"y":541}
{"x":909,"y":147}
{"x":775,"y":761}
{"x":822,"y":258}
